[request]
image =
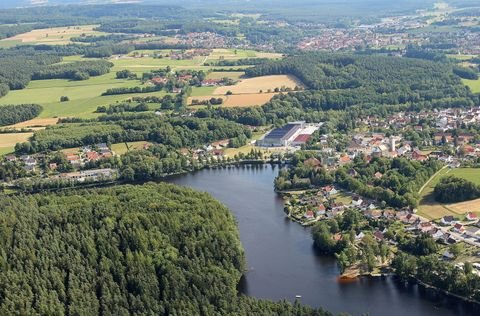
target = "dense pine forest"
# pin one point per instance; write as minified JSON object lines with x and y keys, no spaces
{"x":128,"y":250}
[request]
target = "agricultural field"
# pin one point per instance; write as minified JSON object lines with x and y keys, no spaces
{"x":247,"y":91}
{"x":461,"y":56}
{"x":473,"y":84}
{"x":264,"y":83}
{"x":52,"y":36}
{"x":225,"y":74}
{"x":202,"y":92}
{"x":36,"y":123}
{"x":232,"y":54}
{"x":85,"y":96}
{"x":144,"y":64}
{"x":8,"y":141}
{"x":432,"y":209}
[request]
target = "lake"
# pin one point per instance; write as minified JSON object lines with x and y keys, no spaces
{"x":282,"y":262}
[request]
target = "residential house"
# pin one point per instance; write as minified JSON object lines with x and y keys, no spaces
{"x":459,"y":228}
{"x":357,"y":201}
{"x":471,"y":216}
{"x":424,"y":227}
{"x":373,"y":213}
{"x":309,"y":215}
{"x":448,"y":220}
{"x":329,"y":190}
{"x":379,"y":236}
{"x":321,"y":210}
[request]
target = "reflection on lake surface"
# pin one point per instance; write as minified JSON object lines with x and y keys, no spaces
{"x":282,"y":262}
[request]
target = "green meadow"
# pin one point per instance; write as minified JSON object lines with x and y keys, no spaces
{"x":473,"y":84}
{"x":85,"y":96}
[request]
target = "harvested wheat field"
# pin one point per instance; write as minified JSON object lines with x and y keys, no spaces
{"x":464,"y":207}
{"x":10,"y":140}
{"x":35,"y":123}
{"x":265,"y":83}
{"x":239,"y":100}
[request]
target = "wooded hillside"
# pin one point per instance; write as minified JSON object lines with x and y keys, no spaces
{"x":128,"y":250}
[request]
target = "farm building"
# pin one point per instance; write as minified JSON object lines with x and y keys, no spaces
{"x":282,"y":136}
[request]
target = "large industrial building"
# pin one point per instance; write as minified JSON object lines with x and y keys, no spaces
{"x":282,"y":136}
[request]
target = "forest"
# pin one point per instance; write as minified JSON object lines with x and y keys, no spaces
{"x":13,"y":114}
{"x":128,"y":250}
{"x":340,"y":80}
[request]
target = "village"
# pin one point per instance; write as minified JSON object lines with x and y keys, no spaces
{"x":329,"y":202}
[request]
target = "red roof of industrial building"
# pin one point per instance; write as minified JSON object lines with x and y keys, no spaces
{"x":302,"y":138}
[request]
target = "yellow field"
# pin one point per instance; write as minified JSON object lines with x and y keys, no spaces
{"x":265,"y":83}
{"x":37,"y":122}
{"x":10,"y":140}
{"x":464,"y":207}
{"x":54,"y":35}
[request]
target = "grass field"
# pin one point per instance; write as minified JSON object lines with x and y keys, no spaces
{"x":121,"y":148}
{"x":85,"y":96}
{"x":232,"y":54}
{"x":432,"y":209}
{"x":55,"y":36}
{"x":202,"y":91}
{"x":6,"y":151}
{"x":461,"y":56}
{"x":473,"y":84}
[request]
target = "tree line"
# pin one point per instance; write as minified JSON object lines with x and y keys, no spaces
{"x":13,"y":114}
{"x":79,"y":70}
{"x":453,"y":189}
{"x":117,"y":128}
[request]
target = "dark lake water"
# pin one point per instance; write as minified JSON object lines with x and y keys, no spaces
{"x":282,"y":262}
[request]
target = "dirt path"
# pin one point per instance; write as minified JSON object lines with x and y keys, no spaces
{"x":430,"y":180}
